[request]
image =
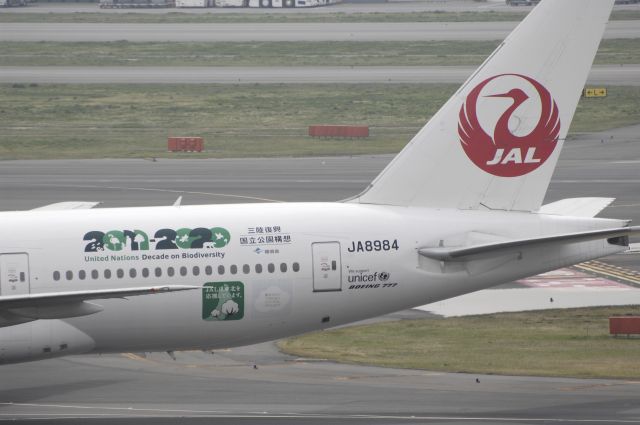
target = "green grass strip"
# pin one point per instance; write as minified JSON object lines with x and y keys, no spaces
{"x":419,"y":53}
{"x":569,"y":343}
{"x":98,"y":121}
{"x":301,"y":17}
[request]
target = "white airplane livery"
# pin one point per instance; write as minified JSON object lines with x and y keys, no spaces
{"x":458,"y":210}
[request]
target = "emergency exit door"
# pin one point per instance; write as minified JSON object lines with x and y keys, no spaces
{"x":14,"y":274}
{"x":327,"y":267}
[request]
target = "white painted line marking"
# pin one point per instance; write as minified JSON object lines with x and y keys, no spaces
{"x":255,"y":198}
{"x":262,"y":415}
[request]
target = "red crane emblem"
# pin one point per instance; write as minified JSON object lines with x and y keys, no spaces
{"x":503,"y":153}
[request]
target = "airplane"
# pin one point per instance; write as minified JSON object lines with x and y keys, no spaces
{"x":459,"y":209}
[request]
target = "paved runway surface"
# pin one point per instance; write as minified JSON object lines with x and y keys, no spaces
{"x":601,"y":164}
{"x":279,"y":32}
{"x":225,"y":388}
{"x":627,"y":75}
{"x":399,"y":6}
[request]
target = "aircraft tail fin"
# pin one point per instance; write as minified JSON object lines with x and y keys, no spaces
{"x":495,"y":143}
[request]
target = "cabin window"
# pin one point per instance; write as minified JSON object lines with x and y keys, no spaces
{"x":295,"y":267}
{"x":145,"y":272}
{"x":246,"y":269}
{"x":94,"y":274}
{"x":132,"y":273}
{"x":271,"y":267}
{"x":170,"y":271}
{"x":283,"y":267}
{"x":220,"y":270}
{"x":258,"y":268}
{"x":107,"y":274}
{"x":158,"y":271}
{"x":233,"y":269}
{"x":208,"y":270}
{"x":56,"y":275}
{"x":69,"y":275}
{"x":196,"y":270}
{"x":183,"y":271}
{"x":82,"y":274}
{"x":120,"y":273}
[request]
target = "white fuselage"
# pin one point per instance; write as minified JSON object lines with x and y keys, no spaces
{"x":266,"y":270}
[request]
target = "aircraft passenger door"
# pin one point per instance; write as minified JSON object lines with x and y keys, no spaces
{"x":14,"y":274}
{"x":327,"y":267}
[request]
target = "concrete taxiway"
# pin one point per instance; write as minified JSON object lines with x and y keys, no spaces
{"x":389,"y":6}
{"x":226,"y":388}
{"x":627,"y":75}
{"x":599,"y":164}
{"x":357,"y":31}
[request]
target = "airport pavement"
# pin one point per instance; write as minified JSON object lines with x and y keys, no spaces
{"x":357,"y":31}
{"x":627,"y":75}
{"x":390,"y":6}
{"x":226,"y":388}
{"x":602,"y":164}
{"x":401,"y":6}
{"x":591,"y":284}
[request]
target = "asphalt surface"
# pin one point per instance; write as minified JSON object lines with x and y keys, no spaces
{"x":392,"y":6}
{"x":627,"y":75}
{"x":600,"y":164}
{"x":407,"y":31}
{"x":225,"y":387}
{"x":400,"y":6}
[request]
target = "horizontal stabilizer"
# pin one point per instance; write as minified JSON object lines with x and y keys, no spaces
{"x":16,"y":309}
{"x":492,"y":249}
{"x":577,"y":207}
{"x":69,"y":205}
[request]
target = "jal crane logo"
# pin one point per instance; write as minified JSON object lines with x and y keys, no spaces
{"x":504,"y":153}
